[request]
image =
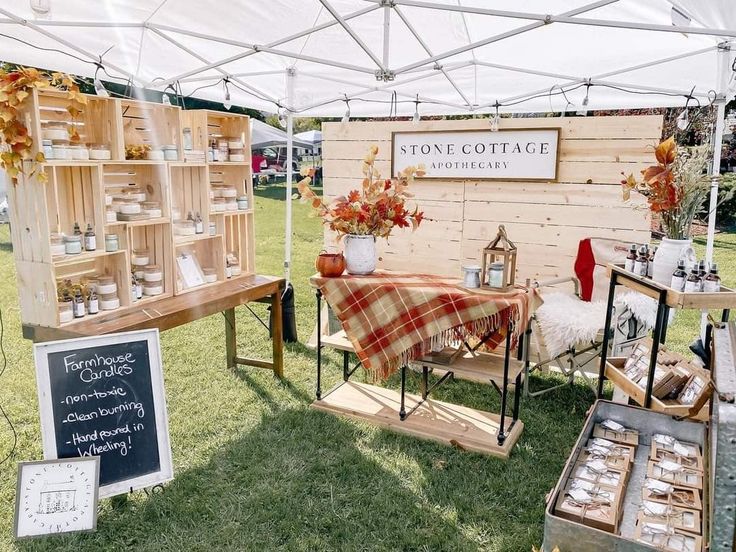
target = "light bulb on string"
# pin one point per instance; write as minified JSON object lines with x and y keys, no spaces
{"x":41,"y":8}
{"x":496,"y":121}
{"x":100,"y":89}
{"x":165,"y":99}
{"x":416,"y":118}
{"x":283,"y":121}
{"x":346,"y":117}
{"x":584,"y":108}
{"x":227,"y":104}
{"x":683,"y":119}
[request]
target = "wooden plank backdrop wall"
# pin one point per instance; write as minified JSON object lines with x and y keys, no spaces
{"x":545,"y":219}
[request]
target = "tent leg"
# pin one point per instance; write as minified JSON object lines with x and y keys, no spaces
{"x":289,"y":159}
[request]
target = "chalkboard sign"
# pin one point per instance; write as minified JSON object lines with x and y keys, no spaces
{"x":104,"y":396}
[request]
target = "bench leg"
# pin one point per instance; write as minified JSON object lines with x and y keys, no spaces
{"x":230,"y":342}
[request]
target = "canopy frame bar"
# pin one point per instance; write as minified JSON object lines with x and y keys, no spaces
{"x":348,"y":29}
{"x":219,"y":69}
{"x":546,"y":19}
{"x":424,"y":45}
{"x":495,"y":38}
{"x":251,"y":51}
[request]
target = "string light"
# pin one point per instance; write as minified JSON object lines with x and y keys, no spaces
{"x":227,"y":104}
{"x":100,"y":89}
{"x":584,"y":108}
{"x":41,"y":8}
{"x":283,"y":120}
{"x":346,"y":117}
{"x":416,"y":118}
{"x":496,"y":121}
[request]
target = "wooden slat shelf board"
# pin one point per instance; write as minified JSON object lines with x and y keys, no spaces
{"x":183,"y":240}
{"x":231,"y":213}
{"x":615,"y":373}
{"x":73,"y":259}
{"x":338,"y":341}
{"x":165,"y":312}
{"x":481,"y":368}
{"x":450,"y":424}
{"x":70,"y":163}
{"x":725,"y":299}
{"x":229,"y":163}
{"x":142,"y":222}
{"x":198,"y":288}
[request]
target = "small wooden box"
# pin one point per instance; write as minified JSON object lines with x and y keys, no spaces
{"x":604,"y":513}
{"x":677,"y":541}
{"x":629,"y":437}
{"x":685,"y":478}
{"x":679,"y":518}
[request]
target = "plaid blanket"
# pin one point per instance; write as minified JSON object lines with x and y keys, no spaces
{"x":393,"y":318}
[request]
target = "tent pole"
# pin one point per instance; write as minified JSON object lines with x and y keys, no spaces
{"x":289,"y":160}
{"x":724,"y":66}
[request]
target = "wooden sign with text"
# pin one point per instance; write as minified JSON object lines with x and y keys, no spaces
{"x":104,"y":396}
{"x":509,"y":154}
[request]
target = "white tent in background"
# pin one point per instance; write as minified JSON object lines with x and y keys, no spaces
{"x":263,"y":135}
{"x":314,"y":137}
{"x":394,"y":57}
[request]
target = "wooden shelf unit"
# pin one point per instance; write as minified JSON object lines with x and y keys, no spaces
{"x":76,"y":192}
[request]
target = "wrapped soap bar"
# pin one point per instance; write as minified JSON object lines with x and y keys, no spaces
{"x":664,"y":537}
{"x":597,"y":471}
{"x":599,"y":509}
{"x":611,"y":458}
{"x":609,"y":448}
{"x":666,"y":493}
{"x":678,"y":518}
{"x":675,"y":474}
{"x":666,"y":447}
{"x":614,"y":431}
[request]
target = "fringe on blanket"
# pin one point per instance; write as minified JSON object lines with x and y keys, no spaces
{"x":451,"y":337}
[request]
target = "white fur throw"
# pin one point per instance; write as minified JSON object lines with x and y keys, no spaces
{"x":566,"y":320}
{"x":642,"y":307}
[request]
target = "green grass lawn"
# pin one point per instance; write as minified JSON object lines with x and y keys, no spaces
{"x":257,"y":469}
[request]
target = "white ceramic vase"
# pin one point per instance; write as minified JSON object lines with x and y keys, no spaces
{"x":668,"y":254}
{"x":360,"y":254}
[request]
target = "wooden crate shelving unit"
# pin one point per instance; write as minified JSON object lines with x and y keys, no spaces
{"x":76,"y":192}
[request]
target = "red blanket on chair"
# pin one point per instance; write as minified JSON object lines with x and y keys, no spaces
{"x":393,"y":318}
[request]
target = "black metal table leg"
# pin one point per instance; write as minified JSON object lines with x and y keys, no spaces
{"x":402,"y":411}
{"x":656,"y":340}
{"x":505,"y":385}
{"x":664,"y":325}
{"x":725,"y":315}
{"x":425,"y":383}
{"x":345,"y":365}
{"x":606,"y":332}
{"x":319,"y":345}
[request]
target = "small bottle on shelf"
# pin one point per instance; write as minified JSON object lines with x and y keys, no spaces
{"x":90,"y":240}
{"x":190,"y":217}
{"x":138,"y":288}
{"x":694,"y":281}
{"x":133,"y":295}
{"x":79,"y":309}
{"x":77,"y":230}
{"x":641,"y":262}
{"x":650,"y":264}
{"x":712,"y":282}
{"x":93,"y":303}
{"x":630,"y":258}
{"x":198,"y":224}
{"x":702,"y":272}
{"x":679,"y":276}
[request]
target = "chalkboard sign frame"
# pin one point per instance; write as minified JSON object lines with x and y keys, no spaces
{"x":41,"y":352}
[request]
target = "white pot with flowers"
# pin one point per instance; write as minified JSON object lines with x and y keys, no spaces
{"x":369,"y":213}
{"x":676,"y":189}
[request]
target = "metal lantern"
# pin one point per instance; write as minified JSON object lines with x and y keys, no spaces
{"x":499,"y":258}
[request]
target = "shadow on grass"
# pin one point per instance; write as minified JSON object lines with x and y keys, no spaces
{"x":296,"y":481}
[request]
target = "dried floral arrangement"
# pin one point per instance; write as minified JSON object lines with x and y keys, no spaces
{"x":16,"y":87}
{"x":376,"y":209}
{"x":675,"y":188}
{"x":136,"y":151}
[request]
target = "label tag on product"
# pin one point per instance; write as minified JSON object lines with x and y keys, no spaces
{"x":613,"y":426}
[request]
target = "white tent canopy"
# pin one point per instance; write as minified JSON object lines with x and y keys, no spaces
{"x":452,"y":55}
{"x":393,"y":57}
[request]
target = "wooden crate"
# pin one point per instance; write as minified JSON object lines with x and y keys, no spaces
{"x":238,"y":231}
{"x":236,"y":175}
{"x":196,"y":121}
{"x":98,"y":123}
{"x":209,"y":252}
{"x":37,"y":283}
{"x":150,"y":123}
{"x":229,"y":125}
{"x":189,"y":191}
{"x":615,"y":373}
{"x":157,"y":239}
{"x":150,"y":177}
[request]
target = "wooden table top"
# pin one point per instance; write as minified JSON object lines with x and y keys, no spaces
{"x":168,"y":312}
